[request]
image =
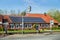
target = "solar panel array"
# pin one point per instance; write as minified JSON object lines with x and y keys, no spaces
{"x":26,"y":19}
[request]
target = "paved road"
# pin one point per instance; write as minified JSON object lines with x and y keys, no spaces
{"x":33,"y":37}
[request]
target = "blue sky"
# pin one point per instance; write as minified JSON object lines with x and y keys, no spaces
{"x":38,"y":6}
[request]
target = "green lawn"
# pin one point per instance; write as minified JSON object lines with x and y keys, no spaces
{"x":19,"y":31}
{"x":30,"y":31}
{"x":27,"y":31}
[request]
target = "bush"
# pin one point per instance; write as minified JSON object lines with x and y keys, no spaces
{"x":58,"y":27}
{"x":1,"y":29}
{"x":54,"y":28}
{"x":11,"y":29}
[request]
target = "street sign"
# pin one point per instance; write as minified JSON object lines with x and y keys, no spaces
{"x":0,"y":22}
{"x":51,"y":22}
{"x":51,"y":25}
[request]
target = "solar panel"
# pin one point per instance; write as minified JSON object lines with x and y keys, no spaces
{"x":26,"y":19}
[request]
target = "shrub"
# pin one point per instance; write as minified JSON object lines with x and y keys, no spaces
{"x":10,"y":29}
{"x":54,"y":28}
{"x":1,"y":28}
{"x":58,"y":27}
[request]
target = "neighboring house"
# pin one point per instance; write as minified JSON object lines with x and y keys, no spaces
{"x":0,"y":21}
{"x":15,"y":22}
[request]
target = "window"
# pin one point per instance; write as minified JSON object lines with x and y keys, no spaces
{"x":11,"y":25}
{"x":45,"y":25}
{"x":28,"y":25}
{"x":25,"y":25}
{"x":5,"y":20}
{"x":17,"y":25}
{"x":20,"y":25}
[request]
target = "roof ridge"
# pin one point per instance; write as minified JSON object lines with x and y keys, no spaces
{"x":33,"y":13}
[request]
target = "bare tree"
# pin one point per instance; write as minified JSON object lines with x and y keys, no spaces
{"x":1,"y":12}
{"x":19,"y":13}
{"x":12,"y":12}
{"x":5,"y":12}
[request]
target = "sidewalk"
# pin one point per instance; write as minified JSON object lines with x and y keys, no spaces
{"x":53,"y":30}
{"x":29,"y":35}
{"x":24,"y":35}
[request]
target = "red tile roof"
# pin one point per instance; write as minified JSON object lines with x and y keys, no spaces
{"x":46,"y":17}
{"x":0,"y":18}
{"x":7,"y":17}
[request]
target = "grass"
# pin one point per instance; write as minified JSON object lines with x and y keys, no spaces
{"x":30,"y":31}
{"x":27,"y":31}
{"x":2,"y":32}
{"x":19,"y":31}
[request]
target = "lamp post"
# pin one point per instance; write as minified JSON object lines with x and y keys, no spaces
{"x":23,"y":14}
{"x":22,"y":24}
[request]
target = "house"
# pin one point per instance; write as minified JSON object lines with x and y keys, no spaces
{"x":15,"y":22}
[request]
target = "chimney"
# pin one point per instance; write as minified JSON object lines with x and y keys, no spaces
{"x":45,"y":13}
